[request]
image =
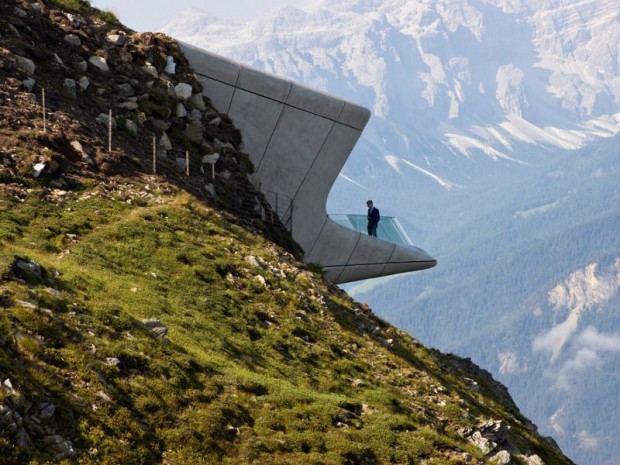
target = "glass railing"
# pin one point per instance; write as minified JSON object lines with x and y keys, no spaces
{"x":389,"y":228}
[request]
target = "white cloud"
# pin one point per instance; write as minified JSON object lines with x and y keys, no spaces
{"x":599,"y":341}
{"x":587,"y":440}
{"x":589,"y":347}
{"x":584,"y":359}
{"x":550,"y":340}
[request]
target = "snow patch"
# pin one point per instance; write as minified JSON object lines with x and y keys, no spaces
{"x":447,"y":185}
{"x":352,"y":181}
{"x":393,"y":162}
{"x":537,"y":210}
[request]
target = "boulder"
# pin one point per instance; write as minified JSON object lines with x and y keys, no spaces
{"x":170,"y":65}
{"x":160,"y":125}
{"x":60,"y":183}
{"x":125,"y":90}
{"x":131,"y":106}
{"x":150,"y":70}
{"x":26,"y":269}
{"x":81,"y":66}
{"x":183,"y":91}
{"x":156,"y":326}
{"x":195,"y":131}
{"x":47,"y":410}
{"x":195,"y":114}
{"x":83,"y":82}
{"x":131,"y":127}
{"x":64,"y":447}
{"x":164,"y":142}
{"x":69,"y":87}
{"x":104,"y":118}
{"x":197,"y":102}
{"x":251,"y":260}
{"x":494,"y":430}
{"x":211,"y":158}
{"x":481,"y":442}
{"x":29,"y":83}
{"x":534,"y":460}
{"x":117,"y":39}
{"x":7,"y":387}
{"x":74,"y":40}
{"x":78,"y":147}
{"x":501,"y":458}
{"x":254,"y":180}
{"x":26,"y":65}
{"x":224,"y":145}
{"x":181,"y":111}
{"x":38,"y":169}
{"x":99,"y":62}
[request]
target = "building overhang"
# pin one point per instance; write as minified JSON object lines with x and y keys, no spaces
{"x":299,"y":138}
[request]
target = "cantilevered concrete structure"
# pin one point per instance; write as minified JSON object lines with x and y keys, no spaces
{"x":298,"y":139}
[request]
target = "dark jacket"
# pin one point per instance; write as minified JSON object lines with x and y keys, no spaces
{"x":373,"y":215}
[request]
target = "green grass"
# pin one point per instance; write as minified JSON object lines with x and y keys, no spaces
{"x":289,"y":371}
{"x":85,"y":7}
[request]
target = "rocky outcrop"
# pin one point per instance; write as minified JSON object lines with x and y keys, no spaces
{"x":89,"y":69}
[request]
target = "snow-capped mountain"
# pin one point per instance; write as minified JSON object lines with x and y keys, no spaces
{"x":473,"y":77}
{"x":494,"y":139}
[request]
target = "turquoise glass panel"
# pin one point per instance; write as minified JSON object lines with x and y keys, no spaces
{"x":389,"y":228}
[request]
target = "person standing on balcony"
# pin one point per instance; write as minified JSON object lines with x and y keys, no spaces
{"x":373,"y":218}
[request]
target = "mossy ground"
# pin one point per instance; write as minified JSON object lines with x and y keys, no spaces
{"x":264,"y":361}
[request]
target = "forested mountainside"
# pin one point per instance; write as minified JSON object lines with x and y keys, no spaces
{"x":155,"y":314}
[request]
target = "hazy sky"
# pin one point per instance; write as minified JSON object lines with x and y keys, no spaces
{"x":148,"y":15}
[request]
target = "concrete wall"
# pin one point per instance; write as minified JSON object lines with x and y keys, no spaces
{"x":298,"y":139}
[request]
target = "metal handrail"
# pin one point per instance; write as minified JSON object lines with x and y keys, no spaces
{"x":389,"y":227}
{"x":283,"y":206}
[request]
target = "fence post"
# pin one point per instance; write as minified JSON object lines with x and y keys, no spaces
{"x":154,"y":154}
{"x":187,"y":163}
{"x":110,"y":131}
{"x":44,"y":112}
{"x":213,"y":174}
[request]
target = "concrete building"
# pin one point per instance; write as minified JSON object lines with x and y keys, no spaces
{"x":298,"y":139}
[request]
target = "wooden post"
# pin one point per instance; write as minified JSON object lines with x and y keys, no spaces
{"x":44,"y":112}
{"x":187,"y":163}
{"x":110,"y":131}
{"x":154,"y":154}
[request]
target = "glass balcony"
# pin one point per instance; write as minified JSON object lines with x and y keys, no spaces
{"x":389,"y":228}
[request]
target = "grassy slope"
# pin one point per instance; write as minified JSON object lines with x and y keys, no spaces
{"x":264,"y":361}
{"x":290,"y":371}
